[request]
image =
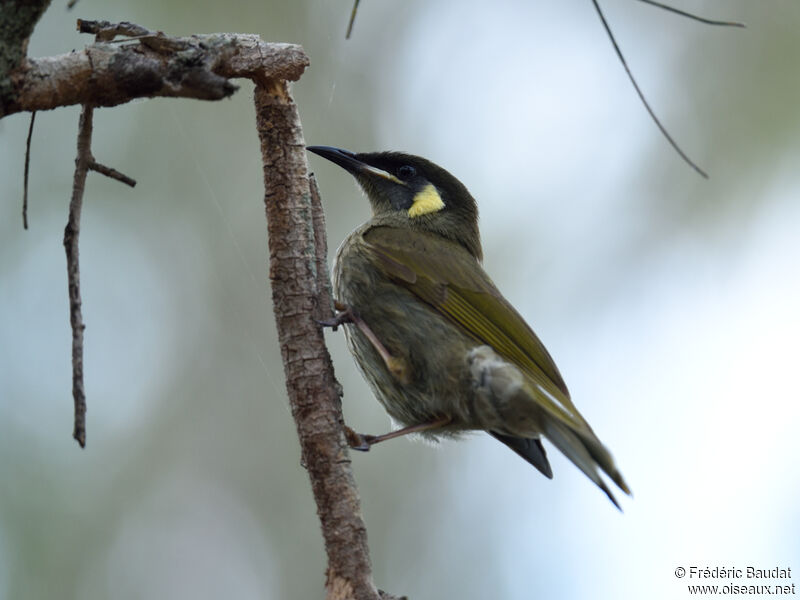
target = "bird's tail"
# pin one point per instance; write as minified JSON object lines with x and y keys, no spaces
{"x":530,"y":449}
{"x":587,"y":453}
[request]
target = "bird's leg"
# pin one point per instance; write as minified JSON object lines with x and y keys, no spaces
{"x":360,"y":441}
{"x":397,"y":366}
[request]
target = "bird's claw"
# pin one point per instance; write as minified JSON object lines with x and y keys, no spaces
{"x":332,"y":323}
{"x":344,"y":315}
{"x":358,"y":441}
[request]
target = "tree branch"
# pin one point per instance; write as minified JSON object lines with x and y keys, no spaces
{"x":352,"y":19}
{"x":17,"y":20}
{"x":150,"y":64}
{"x":25,"y":173}
{"x":640,"y":93}
{"x":692,"y":16}
{"x":71,"y":234}
{"x":324,"y":293}
{"x":111,"y":173}
{"x":313,"y":392}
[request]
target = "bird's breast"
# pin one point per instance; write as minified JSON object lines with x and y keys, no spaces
{"x":434,"y":348}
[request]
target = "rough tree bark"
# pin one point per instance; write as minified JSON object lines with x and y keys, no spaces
{"x":17,"y":20}
{"x":153,"y":64}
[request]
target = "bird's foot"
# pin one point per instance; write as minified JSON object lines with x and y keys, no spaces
{"x":344,"y":315}
{"x":358,"y":441}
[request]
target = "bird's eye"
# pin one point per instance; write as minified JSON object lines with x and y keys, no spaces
{"x":406,"y":172}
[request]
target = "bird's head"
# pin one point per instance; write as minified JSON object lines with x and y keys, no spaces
{"x":414,"y":192}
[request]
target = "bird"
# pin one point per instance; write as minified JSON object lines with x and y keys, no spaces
{"x":441,"y":348}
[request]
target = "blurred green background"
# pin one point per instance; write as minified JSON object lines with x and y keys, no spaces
{"x":669,"y":302}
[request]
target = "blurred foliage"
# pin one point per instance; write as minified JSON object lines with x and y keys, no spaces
{"x":624,"y":260}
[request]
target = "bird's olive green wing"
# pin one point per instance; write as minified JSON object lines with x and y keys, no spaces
{"x":446,"y":276}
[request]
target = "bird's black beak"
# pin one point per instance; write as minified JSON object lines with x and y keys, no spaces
{"x":351,"y":163}
{"x":343,"y":158}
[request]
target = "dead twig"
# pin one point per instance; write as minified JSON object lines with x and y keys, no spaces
{"x":71,"y":234}
{"x":25,"y":176}
{"x":112,"y":173}
{"x":149,"y":64}
{"x":653,"y":116}
{"x":621,"y":57}
{"x":105,"y":31}
{"x":84,"y":162}
{"x":324,"y":293}
{"x":352,"y":19}
{"x":692,"y":16}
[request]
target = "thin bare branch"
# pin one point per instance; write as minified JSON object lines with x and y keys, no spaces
{"x":112,"y":173}
{"x":84,"y":162}
{"x":694,"y":17}
{"x":25,"y":175}
{"x":352,"y":19}
{"x":105,"y":31}
{"x":71,"y":236}
{"x":324,"y":293}
{"x":663,"y":129}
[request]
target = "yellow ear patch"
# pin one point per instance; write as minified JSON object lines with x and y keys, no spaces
{"x":426,"y":201}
